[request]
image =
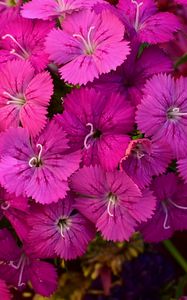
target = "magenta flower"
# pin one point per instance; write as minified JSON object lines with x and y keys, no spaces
{"x":112,"y":201}
{"x":56,"y":230}
{"x":144,"y":159}
{"x":98,"y":124}
{"x":17,"y":267}
{"x":146,"y":23}
{"x":182,"y":168}
{"x":163,"y":112}
{"x":41,"y":166}
{"x":4,"y":292}
{"x":171,"y":210}
{"x":24,"y":96}
{"x":129,"y":79}
{"x":47,"y":9}
{"x":24,"y":39}
{"x":89,"y":45}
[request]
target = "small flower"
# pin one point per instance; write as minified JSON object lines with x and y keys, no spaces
{"x":24,"y":96}
{"x":41,"y":166}
{"x":57,"y":230}
{"x":24,"y":39}
{"x":89,"y":45}
{"x":98,"y":124}
{"x":171,"y":210}
{"x":112,"y":201}
{"x":162,"y":113}
{"x":145,"y":158}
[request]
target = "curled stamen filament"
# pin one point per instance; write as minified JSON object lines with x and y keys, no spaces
{"x":14,"y":100}
{"x":21,"y":266}
{"x":108,"y":208}
{"x":13,"y":51}
{"x":5,"y":205}
{"x":35,"y":159}
{"x":138,"y":5}
{"x":165,"y":226}
{"x":16,"y":42}
{"x":87,"y":43}
{"x":61,"y":231}
{"x":88,"y":135}
{"x":176,"y":205}
{"x":176,"y":112}
{"x":3,"y":3}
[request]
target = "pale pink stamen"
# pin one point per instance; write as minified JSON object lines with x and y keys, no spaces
{"x":138,"y":5}
{"x":14,"y":100}
{"x":87,"y":43}
{"x":20,"y":265}
{"x":13,"y":51}
{"x":5,"y":205}
{"x":165,"y":226}
{"x":90,"y":134}
{"x":36,"y":159}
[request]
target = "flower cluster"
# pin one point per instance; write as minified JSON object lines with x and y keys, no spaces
{"x":112,"y":159}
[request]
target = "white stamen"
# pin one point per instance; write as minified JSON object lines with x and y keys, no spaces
{"x":140,"y":155}
{"x":175,"y":112}
{"x":88,"y":135}
{"x":87,"y":43}
{"x":176,"y":205}
{"x":165,"y":226}
{"x":21,"y":266}
{"x":3,"y":3}
{"x":14,"y":100}
{"x":5,"y":205}
{"x":35,"y":159}
{"x":112,"y":200}
{"x":13,"y":51}
{"x":61,"y":230}
{"x":138,"y":5}
{"x":16,"y":42}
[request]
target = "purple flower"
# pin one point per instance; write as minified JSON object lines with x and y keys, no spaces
{"x":112,"y":201}
{"x":47,"y":9}
{"x":89,"y":45}
{"x":146,"y":23}
{"x":98,"y":124}
{"x":17,"y":267}
{"x":24,"y":96}
{"x":56,"y":230}
{"x":145,"y":158}
{"x":171,"y":210}
{"x":129,"y":79}
{"x":38,"y":168}
{"x":24,"y":39}
{"x":4,"y":292}
{"x":163,"y":112}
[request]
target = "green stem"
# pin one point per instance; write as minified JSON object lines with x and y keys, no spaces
{"x":176,"y":254}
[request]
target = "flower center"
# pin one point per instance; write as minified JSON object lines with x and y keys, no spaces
{"x":92,"y":134}
{"x":63,"y":224}
{"x":112,"y":199}
{"x":174,"y":113}
{"x":24,"y":54}
{"x":164,"y":205}
{"x":88,"y":44}
{"x":36,"y":161}
{"x":137,"y":17}
{"x":14,"y":100}
{"x":20,"y":266}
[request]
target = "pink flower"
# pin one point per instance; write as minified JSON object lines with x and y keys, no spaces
{"x":162,"y":114}
{"x":57,"y":230}
{"x":99,"y":124}
{"x":146,"y":23}
{"x":171,"y":210}
{"x":37,"y":168}
{"x":47,"y":9}
{"x":144,"y":159}
{"x":112,"y":201}
{"x":89,"y":45}
{"x":24,"y":39}
{"x":24,"y":96}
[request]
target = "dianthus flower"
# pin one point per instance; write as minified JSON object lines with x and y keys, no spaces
{"x":112,"y":201}
{"x":171,"y":209}
{"x":98,"y":124}
{"x":47,"y":9}
{"x":162,"y":113}
{"x":24,"y":96}
{"x":89,"y":45}
{"x":37,"y":168}
{"x":17,"y":267}
{"x":58,"y":230}
{"x":129,"y":79}
{"x":24,"y":39}
{"x":144,"y":158}
{"x":146,"y":23}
